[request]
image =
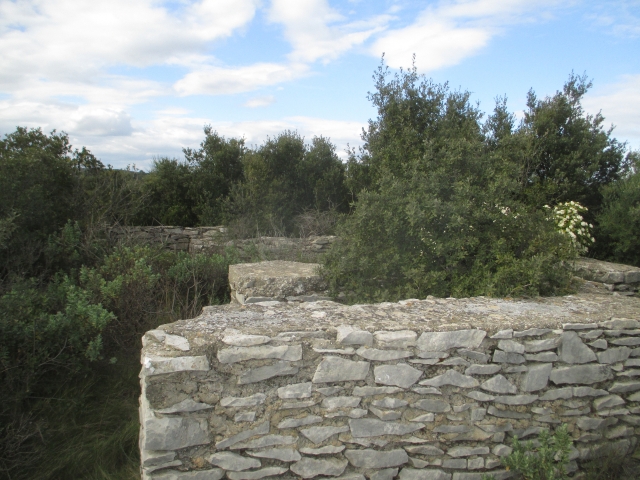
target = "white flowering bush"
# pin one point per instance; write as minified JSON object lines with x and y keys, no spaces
{"x":569,"y":221}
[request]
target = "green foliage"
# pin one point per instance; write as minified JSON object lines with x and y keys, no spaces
{"x":285,"y":178}
{"x":168,"y":187}
{"x":441,"y":215}
{"x":217,"y":166}
{"x":619,"y":219}
{"x":569,"y":155}
{"x":47,"y":331}
{"x":547,"y":461}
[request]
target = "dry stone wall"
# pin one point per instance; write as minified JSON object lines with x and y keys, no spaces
{"x":213,"y":239}
{"x":430,"y":389}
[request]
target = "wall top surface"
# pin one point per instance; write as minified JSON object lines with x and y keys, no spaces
{"x":489,"y":314}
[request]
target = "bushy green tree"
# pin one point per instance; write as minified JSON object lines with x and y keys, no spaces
{"x":441,"y":215}
{"x":569,"y":156}
{"x":216,"y":167}
{"x":284,"y":178}
{"x":169,"y":189}
{"x":618,"y":223}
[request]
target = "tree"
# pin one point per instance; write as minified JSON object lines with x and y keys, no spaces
{"x":618,"y":223}
{"x":569,"y":154}
{"x":37,"y":191}
{"x":217,"y":166}
{"x":440,"y":215}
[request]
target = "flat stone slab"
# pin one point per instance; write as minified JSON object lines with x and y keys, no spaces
{"x":606,"y":272}
{"x":276,"y":279}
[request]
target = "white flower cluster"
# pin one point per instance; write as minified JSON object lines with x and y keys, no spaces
{"x":569,"y":221}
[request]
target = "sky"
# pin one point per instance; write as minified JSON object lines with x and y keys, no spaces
{"x":134,"y":80}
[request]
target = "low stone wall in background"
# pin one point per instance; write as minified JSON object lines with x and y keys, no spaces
{"x":616,"y":277}
{"x":419,"y":389}
{"x":214,"y":239}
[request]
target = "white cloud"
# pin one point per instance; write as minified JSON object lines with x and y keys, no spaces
{"x":620,"y":104}
{"x":453,"y":30}
{"x":67,"y":39}
{"x":620,"y":17}
{"x":308,"y":27}
{"x":211,"y":80}
{"x":257,"y":102}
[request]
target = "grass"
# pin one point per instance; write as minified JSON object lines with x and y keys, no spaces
{"x":88,"y":430}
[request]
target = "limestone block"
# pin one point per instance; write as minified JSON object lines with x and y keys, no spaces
{"x":310,"y":467}
{"x":233,"y":461}
{"x":347,"y":335}
{"x":320,"y":434}
{"x":376,"y":459}
{"x":370,"y":391}
{"x":211,"y":474}
{"x":256,"y":474}
{"x":155,"y":365}
{"x":173,"y":433}
{"x":259,"y":374}
{"x":442,"y":341}
{"x":383,"y":355}
{"x":298,"y":390}
{"x":266,"y":441}
{"x":274,"y":279}
{"x":536,"y":378}
{"x":398,"y":339}
{"x":451,"y":377}
{"x":290,"y":353}
{"x":400,"y":375}
{"x":369,"y":427}
{"x":499,"y":384}
{"x":242,"y":340}
{"x":435,"y":406}
{"x":582,"y":374}
{"x":337,"y":369}
{"x":423,"y":474}
{"x":327,"y":450}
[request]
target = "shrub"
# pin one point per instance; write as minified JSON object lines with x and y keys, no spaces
{"x":619,"y":221}
{"x":547,"y":461}
{"x":569,"y":221}
{"x":441,"y":216}
{"x":48,"y":331}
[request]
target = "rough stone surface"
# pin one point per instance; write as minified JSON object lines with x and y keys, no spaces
{"x":233,"y":461}
{"x":260,"y":374}
{"x":442,"y":341}
{"x":274,"y":279}
{"x":435,"y":406}
{"x":585,"y":374}
{"x":256,"y":474}
{"x":536,"y":378}
{"x":451,"y":377}
{"x":170,"y":433}
{"x":400,"y":375}
{"x":347,"y":335}
{"x":282,"y":454}
{"x":499,"y":384}
{"x":375,"y":459}
{"x":383,"y":355}
{"x":291,"y":353}
{"x":297,"y":390}
{"x":572,"y":350}
{"x":311,"y":467}
{"x":320,"y":434}
{"x":287,"y":419}
{"x":423,"y":474}
{"x":369,"y":427}
{"x":337,"y":369}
